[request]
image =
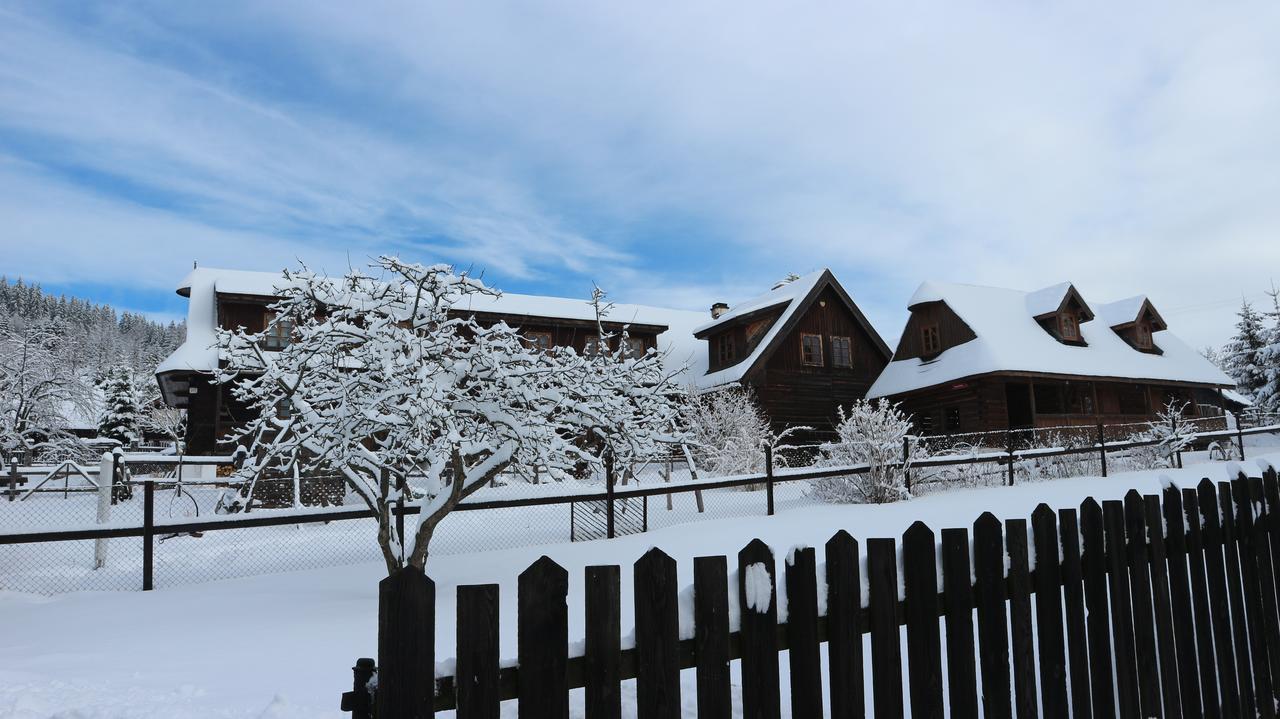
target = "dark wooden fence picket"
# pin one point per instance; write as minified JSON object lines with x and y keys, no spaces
{"x":993,"y":621}
{"x":1235,"y":594}
{"x":1248,"y":553}
{"x":1122,"y":631}
{"x":1102,"y":688}
{"x":761,"y":698}
{"x":476,"y":672}
{"x":886,"y":640}
{"x":406,"y":644}
{"x":1266,"y":573}
{"x":711,"y":636}
{"x":657,"y":636}
{"x":803,"y":643}
{"x":1211,"y":542}
{"x":1190,"y":671}
{"x":962,"y":668}
{"x":1049,"y":627}
{"x":602,"y":670}
{"x":1160,"y":597}
{"x":844,"y":627}
{"x":1021,"y":632}
{"x":924,"y":645}
{"x":542,"y":641}
{"x":1144,"y":622}
{"x":1076,"y":636}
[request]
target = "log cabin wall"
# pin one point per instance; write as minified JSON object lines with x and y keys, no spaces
{"x":952,"y":330}
{"x":793,"y":393}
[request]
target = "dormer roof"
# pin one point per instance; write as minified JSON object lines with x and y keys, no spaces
{"x":1122,"y":313}
{"x":1053,"y":300}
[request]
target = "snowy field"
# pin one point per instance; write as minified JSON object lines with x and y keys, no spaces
{"x":280,"y":645}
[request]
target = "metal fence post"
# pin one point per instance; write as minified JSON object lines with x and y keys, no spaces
{"x":608,"y":490}
{"x":148,"y":533}
{"x":1102,"y":448}
{"x":768,"y":476}
{"x":13,"y":479}
{"x":1009,"y":444}
{"x":906,"y":471}
{"x":1240,"y":439}
{"x":1173,"y":432}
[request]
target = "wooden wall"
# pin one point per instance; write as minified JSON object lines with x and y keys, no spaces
{"x":746,"y":336}
{"x":793,"y":393}
{"x":952,"y":330}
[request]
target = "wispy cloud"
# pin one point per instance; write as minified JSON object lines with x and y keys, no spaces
{"x":681,"y":154}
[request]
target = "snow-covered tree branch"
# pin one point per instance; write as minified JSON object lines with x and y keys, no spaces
{"x":38,"y":388}
{"x":382,"y":382}
{"x":870,"y":433}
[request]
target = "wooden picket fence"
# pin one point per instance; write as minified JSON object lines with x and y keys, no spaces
{"x":1150,"y":606}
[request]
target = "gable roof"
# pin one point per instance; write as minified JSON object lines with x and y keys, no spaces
{"x":1010,"y":340}
{"x":197,"y":353}
{"x":793,"y":298}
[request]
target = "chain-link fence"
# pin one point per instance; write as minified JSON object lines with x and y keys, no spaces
{"x":56,"y":536}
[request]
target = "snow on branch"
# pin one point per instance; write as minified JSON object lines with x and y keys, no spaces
{"x":381,"y":379}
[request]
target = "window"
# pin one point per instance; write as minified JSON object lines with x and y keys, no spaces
{"x":594,"y":346}
{"x":539,"y":340}
{"x":926,"y":423}
{"x":811,"y":349}
{"x":953,"y":419}
{"x":841,"y":352}
{"x":1142,"y":334}
{"x":1049,"y":398}
{"x":634,"y":347}
{"x":1068,"y":324}
{"x":277,"y":333}
{"x":931,"y":341}
{"x":726,"y":349}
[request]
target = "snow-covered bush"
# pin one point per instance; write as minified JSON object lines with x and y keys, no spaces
{"x":727,"y":431}
{"x":1078,"y":464}
{"x":869,"y":433}
{"x":1168,"y":435}
{"x":381,"y":383}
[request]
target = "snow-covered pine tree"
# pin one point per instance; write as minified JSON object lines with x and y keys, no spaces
{"x":121,"y":418}
{"x":1241,"y":354}
{"x":1267,"y":397}
{"x":383,"y":386}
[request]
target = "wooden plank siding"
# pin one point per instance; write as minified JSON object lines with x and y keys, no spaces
{"x":793,"y":393}
{"x":952,"y":330}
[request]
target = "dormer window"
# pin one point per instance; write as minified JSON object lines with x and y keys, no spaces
{"x":726,"y":349}
{"x":1142,"y":335}
{"x":930,"y":340}
{"x":1069,"y":326}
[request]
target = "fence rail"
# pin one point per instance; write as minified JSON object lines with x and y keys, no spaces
{"x":1151,"y":606}
{"x":579,"y":506}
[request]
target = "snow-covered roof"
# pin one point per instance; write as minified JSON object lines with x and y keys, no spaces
{"x":1121,"y":312}
{"x":1236,"y":397}
{"x":203,"y":285}
{"x":1010,"y":340}
{"x":790,"y":294}
{"x":1047,"y":300}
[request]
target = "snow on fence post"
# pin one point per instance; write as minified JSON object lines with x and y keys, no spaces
{"x":1102,"y":448}
{"x":768,"y":475}
{"x":106,"y":485}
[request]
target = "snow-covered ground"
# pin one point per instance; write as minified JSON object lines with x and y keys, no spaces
{"x":281,"y":645}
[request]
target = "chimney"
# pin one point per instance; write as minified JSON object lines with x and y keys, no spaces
{"x":718,"y":309}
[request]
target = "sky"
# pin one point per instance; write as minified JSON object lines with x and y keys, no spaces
{"x":676,"y":154}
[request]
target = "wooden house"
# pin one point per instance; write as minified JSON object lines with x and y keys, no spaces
{"x":804,"y":348}
{"x":983,"y":359}
{"x":229,"y":299}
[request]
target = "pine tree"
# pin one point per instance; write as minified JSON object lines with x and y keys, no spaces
{"x":1241,"y":355}
{"x":1267,"y":397}
{"x":122,"y":416}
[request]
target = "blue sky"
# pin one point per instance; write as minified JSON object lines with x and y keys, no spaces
{"x":676,"y":154}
